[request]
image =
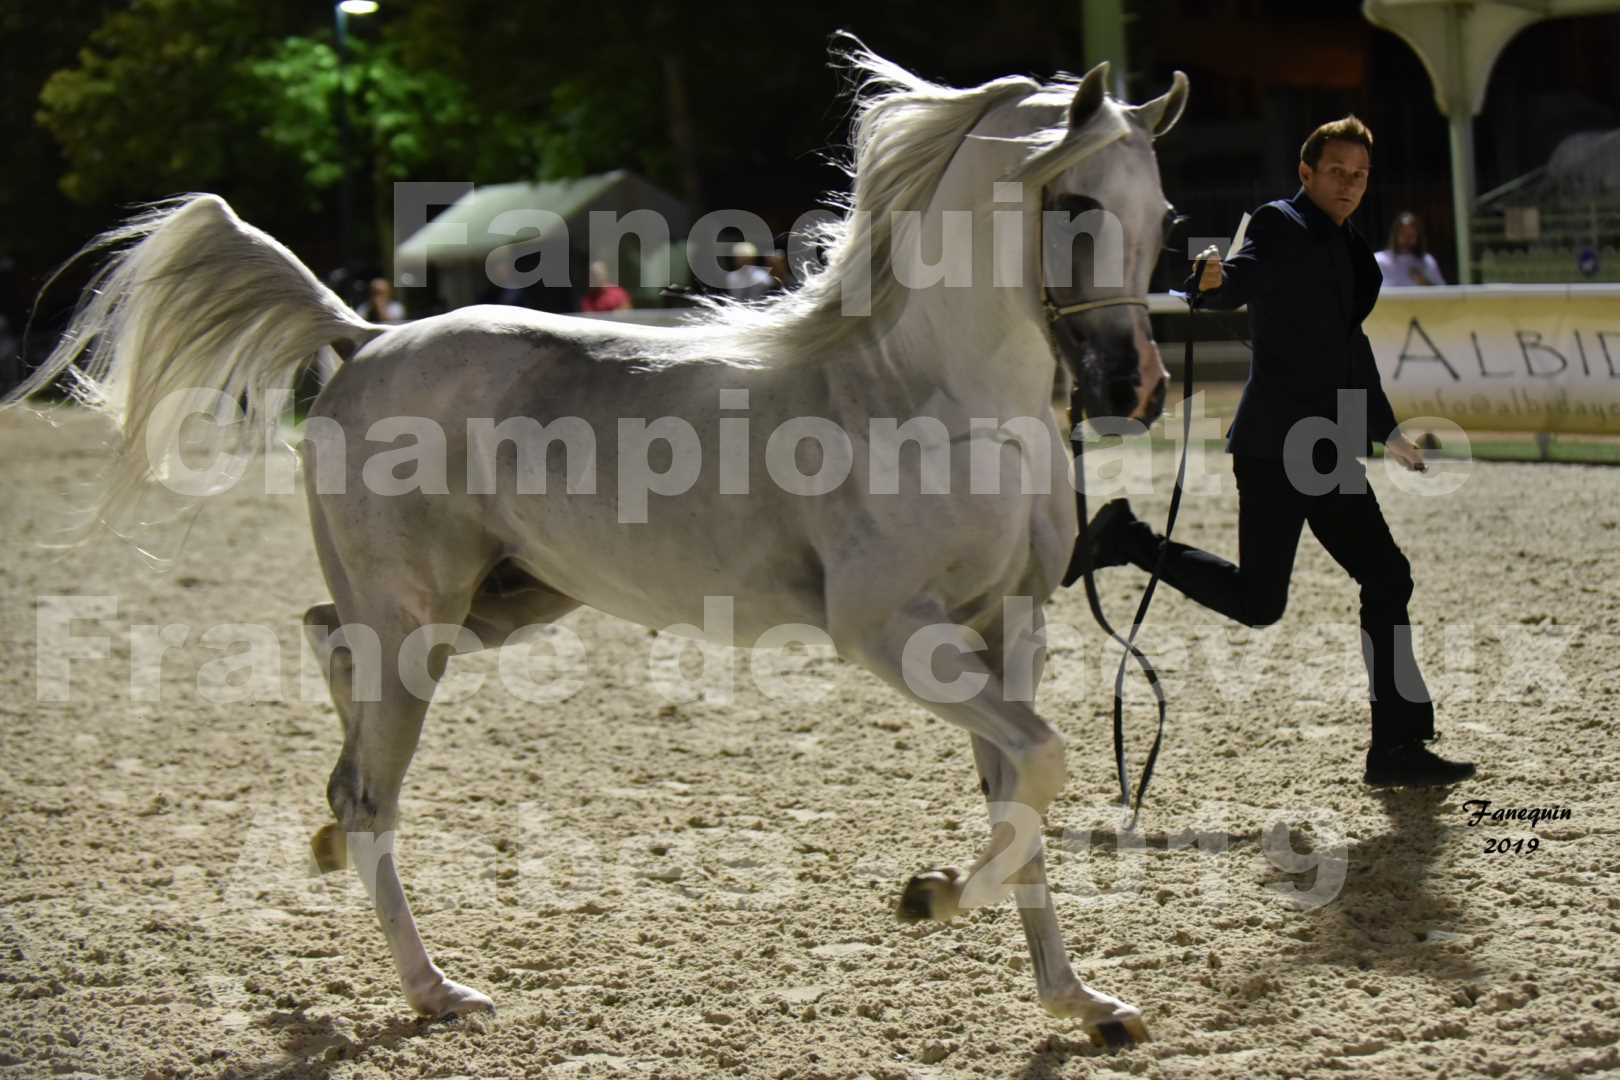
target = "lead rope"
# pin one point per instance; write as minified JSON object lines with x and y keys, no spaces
{"x":1129,"y":644}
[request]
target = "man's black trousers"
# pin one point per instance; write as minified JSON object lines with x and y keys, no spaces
{"x":1271,"y":513}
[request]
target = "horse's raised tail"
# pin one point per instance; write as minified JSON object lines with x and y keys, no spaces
{"x":196,"y":312}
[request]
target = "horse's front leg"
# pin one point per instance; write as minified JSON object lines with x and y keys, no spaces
{"x":946,"y":668}
{"x":1020,"y":762}
{"x":1107,"y":1019}
{"x":956,"y":674}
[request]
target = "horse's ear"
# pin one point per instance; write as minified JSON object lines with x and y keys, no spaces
{"x":1161,"y":114}
{"x":1089,"y":98}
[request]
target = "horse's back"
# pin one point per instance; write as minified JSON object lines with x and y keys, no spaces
{"x":510,"y":423}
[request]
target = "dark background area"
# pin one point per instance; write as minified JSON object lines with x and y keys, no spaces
{"x":727,"y":104}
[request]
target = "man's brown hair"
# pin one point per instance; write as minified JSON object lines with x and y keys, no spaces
{"x":1349,"y":129}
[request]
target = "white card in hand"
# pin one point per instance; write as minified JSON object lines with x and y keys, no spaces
{"x":1237,"y":241}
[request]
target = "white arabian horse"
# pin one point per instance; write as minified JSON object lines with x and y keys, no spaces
{"x":196,"y":298}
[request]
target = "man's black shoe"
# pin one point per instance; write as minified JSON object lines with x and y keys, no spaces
{"x":1413,"y":765}
{"x":1103,"y":542}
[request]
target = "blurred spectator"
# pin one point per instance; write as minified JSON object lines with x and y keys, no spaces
{"x":381,"y":306}
{"x":749,"y":281}
{"x":777,"y":264}
{"x":1406,"y":260}
{"x":603,"y":295}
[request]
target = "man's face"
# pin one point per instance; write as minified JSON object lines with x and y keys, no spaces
{"x":1339,"y":180}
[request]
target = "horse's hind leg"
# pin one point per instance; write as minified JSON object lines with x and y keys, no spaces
{"x":508,"y":600}
{"x":335,"y":655}
{"x":324,"y":630}
{"x":381,"y":725}
{"x":379,"y":739}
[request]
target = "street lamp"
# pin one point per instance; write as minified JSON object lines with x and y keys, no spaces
{"x":341,"y":12}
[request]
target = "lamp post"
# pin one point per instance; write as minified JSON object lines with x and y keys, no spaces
{"x":341,"y":12}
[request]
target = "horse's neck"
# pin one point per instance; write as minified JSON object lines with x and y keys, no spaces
{"x":984,"y":345}
{"x":948,"y":345}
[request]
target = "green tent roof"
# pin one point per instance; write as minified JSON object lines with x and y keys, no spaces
{"x":467,"y":229}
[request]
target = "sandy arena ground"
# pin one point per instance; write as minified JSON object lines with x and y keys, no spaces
{"x":651,"y":888}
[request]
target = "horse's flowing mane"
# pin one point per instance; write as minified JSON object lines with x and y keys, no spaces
{"x":905,"y":132}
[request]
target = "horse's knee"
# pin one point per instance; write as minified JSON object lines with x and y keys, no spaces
{"x":1042,"y":774}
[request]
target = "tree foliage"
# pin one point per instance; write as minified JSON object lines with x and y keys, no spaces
{"x":239,"y":96}
{"x":161,"y":100}
{"x":175,"y":94}
{"x":405,"y":123}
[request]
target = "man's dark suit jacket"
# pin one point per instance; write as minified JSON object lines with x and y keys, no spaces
{"x":1308,"y":344}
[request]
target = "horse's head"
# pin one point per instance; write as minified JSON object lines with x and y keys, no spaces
{"x":1104,"y":223}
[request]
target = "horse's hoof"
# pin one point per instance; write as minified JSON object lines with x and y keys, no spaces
{"x":452,"y":1001}
{"x":330,"y":848}
{"x":1107,"y":1021}
{"x":933,"y":894}
{"x":1115,"y":1034}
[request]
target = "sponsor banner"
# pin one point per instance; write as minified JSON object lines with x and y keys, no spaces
{"x":1502,"y":357}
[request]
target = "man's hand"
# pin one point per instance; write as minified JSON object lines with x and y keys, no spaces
{"x":1213,"y":276}
{"x":1400,"y":448}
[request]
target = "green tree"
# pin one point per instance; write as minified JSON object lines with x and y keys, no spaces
{"x":162,"y":100}
{"x":728,"y":103}
{"x":238,"y":98}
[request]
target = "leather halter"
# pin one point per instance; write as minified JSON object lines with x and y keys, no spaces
{"x":1054,"y":313}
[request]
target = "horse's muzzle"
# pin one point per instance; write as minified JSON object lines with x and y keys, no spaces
{"x":1153,"y":406}
{"x":1130,"y":394}
{"x":1118,"y":375}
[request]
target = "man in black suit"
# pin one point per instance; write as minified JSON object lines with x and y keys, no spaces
{"x":1313,"y":405}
